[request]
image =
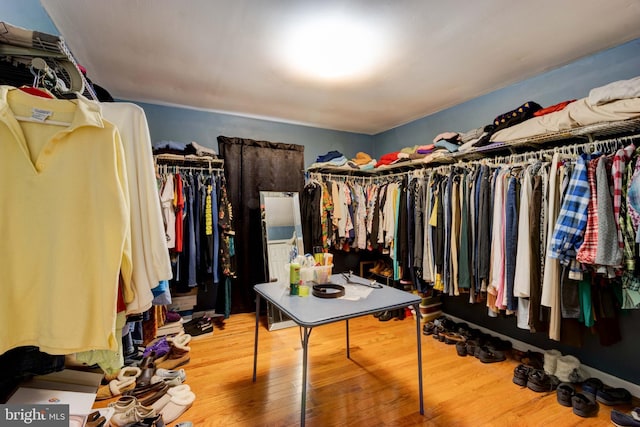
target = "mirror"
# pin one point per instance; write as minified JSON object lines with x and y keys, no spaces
{"x":282,"y":239}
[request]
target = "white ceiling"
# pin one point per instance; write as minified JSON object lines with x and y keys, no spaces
{"x":222,"y":55}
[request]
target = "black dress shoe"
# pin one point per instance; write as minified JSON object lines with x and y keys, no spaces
{"x":461,"y":348}
{"x":488,"y":355}
{"x":521,"y":375}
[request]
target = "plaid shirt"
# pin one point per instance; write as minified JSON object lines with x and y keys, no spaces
{"x":633,"y":213}
{"x":626,"y":226}
{"x":587,"y":250}
{"x":572,"y":219}
{"x":617,"y":171}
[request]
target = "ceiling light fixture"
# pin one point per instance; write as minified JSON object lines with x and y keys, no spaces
{"x":332,"y":48}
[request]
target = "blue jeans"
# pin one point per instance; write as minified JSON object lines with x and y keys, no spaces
{"x":511,"y":236}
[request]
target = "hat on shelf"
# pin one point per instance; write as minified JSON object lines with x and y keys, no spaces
{"x":361,"y":158}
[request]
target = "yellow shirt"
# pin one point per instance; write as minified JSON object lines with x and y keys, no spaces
{"x":64,"y":225}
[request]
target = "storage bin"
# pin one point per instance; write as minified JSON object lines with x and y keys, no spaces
{"x":318,"y":274}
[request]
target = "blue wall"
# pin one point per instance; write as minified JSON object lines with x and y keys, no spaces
{"x":571,"y":81}
{"x":181,"y":124}
{"x":28,"y":14}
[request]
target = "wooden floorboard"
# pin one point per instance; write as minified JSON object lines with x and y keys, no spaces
{"x":378,"y":386}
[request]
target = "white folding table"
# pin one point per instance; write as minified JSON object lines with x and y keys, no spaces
{"x":309,"y":312}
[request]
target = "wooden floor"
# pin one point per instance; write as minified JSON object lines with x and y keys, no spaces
{"x":378,"y":386}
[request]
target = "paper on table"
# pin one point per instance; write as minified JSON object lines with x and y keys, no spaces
{"x":356,"y":292}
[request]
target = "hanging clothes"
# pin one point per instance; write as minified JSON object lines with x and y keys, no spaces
{"x":204,"y":256}
{"x":80,"y":238}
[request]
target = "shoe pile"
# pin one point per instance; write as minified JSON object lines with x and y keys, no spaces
{"x":468,"y":341}
{"x":382,"y":268}
{"x":158,"y":395}
{"x":585,"y":402}
{"x":129,"y":411}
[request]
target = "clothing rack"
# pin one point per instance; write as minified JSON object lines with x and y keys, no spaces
{"x":189,"y":162}
{"x":320,"y":176}
{"x":19,"y":49}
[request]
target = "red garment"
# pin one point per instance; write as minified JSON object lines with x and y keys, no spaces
{"x":35,"y":91}
{"x":553,"y":108}
{"x":120,"y":304}
{"x":179,"y":206}
{"x":587,"y":251}
{"x":387,"y":159}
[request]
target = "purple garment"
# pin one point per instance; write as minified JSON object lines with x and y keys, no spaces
{"x":160,"y":347}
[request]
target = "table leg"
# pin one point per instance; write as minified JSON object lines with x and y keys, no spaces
{"x":348,"y":347}
{"x":255,"y":342}
{"x":305,"y":346}
{"x":416,"y":307}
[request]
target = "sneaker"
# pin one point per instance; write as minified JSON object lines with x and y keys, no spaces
{"x":135,"y":414}
{"x":621,"y":419}
{"x":170,"y":377}
{"x":428,"y":328}
{"x":591,"y":386}
{"x":613,"y":396}
{"x":540,"y":382}
{"x":584,"y":405}
{"x":123,"y":404}
{"x":521,"y":375}
{"x":565,"y":392}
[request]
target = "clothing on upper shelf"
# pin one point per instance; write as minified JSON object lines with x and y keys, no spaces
{"x":183,"y":148}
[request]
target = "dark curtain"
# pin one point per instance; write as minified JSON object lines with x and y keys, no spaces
{"x":250,"y":167}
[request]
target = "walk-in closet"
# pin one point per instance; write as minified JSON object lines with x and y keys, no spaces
{"x":342,"y":213}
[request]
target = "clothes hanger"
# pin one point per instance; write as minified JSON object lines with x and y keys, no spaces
{"x":42,"y":75}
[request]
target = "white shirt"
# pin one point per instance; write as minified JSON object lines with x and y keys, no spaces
{"x":150,"y":257}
